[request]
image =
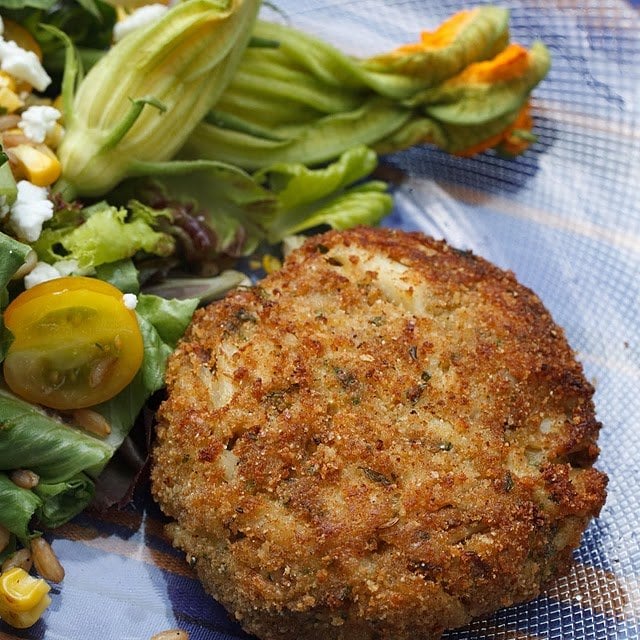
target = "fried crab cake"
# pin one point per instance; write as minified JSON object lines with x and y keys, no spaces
{"x":386,"y":438}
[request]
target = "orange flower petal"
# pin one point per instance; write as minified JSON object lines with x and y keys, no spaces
{"x":512,"y":144}
{"x":510,"y":63}
{"x":442,"y":37}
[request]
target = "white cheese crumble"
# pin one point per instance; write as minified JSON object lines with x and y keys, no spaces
{"x":130,"y":300}
{"x":68,"y":268}
{"x":141,"y":17}
{"x":42,"y":272}
{"x":30,"y":210}
{"x":37,"y":121}
{"x":22,"y":64}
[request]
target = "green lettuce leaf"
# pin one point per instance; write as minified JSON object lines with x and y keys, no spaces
{"x":17,"y":507}
{"x":168,"y":317}
{"x":161,"y":322}
{"x":35,"y":440}
{"x":106,"y":234}
{"x":121,"y":274}
{"x":366,"y":204}
{"x":68,"y":459}
{"x":48,"y":505}
{"x":297,"y":184}
{"x":232,"y":204}
{"x":60,"y":501}
{"x":330,"y":195}
{"x":244,"y":209}
{"x":13,"y":254}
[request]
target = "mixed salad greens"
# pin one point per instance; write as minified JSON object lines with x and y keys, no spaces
{"x":197,"y":139}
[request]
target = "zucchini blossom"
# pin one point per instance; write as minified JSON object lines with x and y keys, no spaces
{"x":297,"y":99}
{"x":143,"y":98}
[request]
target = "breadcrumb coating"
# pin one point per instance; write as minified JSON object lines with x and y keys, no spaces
{"x":386,"y":438}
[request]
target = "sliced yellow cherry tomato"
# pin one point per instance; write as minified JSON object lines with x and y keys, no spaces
{"x":75,"y":343}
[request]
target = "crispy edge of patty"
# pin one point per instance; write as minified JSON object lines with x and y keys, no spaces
{"x":306,"y":518}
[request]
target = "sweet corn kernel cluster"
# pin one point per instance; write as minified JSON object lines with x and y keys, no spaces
{"x":30,"y":125}
{"x":23,"y":598}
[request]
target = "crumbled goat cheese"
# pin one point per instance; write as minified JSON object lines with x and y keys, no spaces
{"x":68,"y":268}
{"x":23,"y":64}
{"x":37,"y":121}
{"x":42,"y":272}
{"x":130,"y":300}
{"x":30,"y":210}
{"x":139,"y":18}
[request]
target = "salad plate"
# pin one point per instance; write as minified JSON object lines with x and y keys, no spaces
{"x":564,"y":217}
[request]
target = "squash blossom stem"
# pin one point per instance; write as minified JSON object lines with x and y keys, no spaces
{"x":122,"y":128}
{"x":73,"y":72}
{"x":180,"y":65}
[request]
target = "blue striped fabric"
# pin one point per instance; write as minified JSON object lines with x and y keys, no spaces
{"x":565,"y":217}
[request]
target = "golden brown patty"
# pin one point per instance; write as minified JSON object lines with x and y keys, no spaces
{"x":384,"y":439}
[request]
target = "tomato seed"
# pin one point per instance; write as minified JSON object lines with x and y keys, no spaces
{"x":100,"y":370}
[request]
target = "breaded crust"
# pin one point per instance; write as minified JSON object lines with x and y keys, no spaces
{"x":384,"y":439}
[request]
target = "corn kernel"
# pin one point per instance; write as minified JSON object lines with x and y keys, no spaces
{"x":23,"y":598}
{"x":58,"y":103}
{"x":8,"y":81}
{"x":37,"y":164}
{"x":54,"y":136}
{"x":9,"y":100}
{"x":271,"y":263}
